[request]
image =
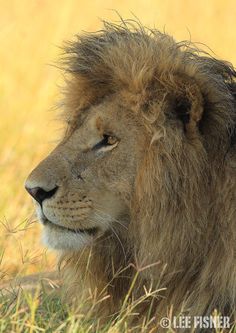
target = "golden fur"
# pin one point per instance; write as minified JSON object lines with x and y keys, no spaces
{"x":182,"y":205}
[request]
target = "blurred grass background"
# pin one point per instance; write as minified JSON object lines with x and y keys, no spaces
{"x":30,"y":33}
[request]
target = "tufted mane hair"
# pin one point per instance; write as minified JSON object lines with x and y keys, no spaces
{"x":131,"y":57}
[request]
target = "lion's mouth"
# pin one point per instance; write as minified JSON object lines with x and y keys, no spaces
{"x":89,"y":231}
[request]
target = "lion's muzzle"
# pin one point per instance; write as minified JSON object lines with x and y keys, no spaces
{"x":39,"y":194}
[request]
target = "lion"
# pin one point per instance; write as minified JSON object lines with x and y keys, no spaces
{"x":139,"y":197}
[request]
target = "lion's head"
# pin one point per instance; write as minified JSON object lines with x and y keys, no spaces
{"x":84,"y":188}
{"x":144,"y":173}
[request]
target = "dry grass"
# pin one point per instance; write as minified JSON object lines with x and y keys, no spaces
{"x":30,"y":33}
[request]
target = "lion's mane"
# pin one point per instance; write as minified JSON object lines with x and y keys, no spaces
{"x":182,"y":234}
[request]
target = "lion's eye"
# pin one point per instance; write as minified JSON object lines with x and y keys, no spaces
{"x":108,"y":142}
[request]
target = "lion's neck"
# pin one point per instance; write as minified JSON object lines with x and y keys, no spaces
{"x":104,"y":270}
{"x":177,"y":250}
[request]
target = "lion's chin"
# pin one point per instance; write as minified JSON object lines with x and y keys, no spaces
{"x":63,"y":239}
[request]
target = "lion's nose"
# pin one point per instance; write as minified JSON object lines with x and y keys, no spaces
{"x":39,"y":194}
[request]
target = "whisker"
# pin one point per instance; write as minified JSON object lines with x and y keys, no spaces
{"x":115,"y":233}
{"x":112,"y":218}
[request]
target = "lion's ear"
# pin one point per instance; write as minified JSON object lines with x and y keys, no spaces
{"x":188,"y":104}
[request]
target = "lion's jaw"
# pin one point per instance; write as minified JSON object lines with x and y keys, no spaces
{"x":57,"y":235}
{"x":92,"y":178}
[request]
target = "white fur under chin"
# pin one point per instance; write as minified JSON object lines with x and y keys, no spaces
{"x":64,"y":240}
